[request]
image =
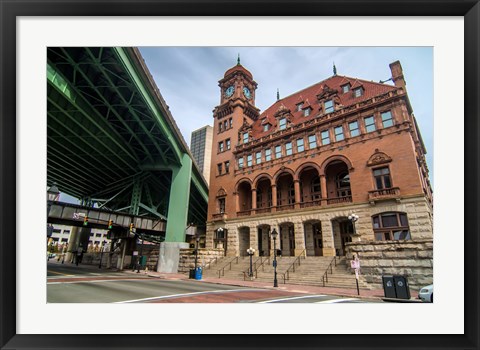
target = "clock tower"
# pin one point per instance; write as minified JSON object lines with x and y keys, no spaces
{"x":237,"y":85}
{"x":235,"y":112}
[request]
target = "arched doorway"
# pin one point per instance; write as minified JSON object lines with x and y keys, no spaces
{"x":264,"y":244}
{"x":243,"y":240}
{"x":313,"y":238}
{"x":220,"y":239}
{"x":343,"y":233}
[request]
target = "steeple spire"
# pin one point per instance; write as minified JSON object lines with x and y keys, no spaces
{"x":238,"y":60}
{"x":334,"y":69}
{"x":278,"y":95}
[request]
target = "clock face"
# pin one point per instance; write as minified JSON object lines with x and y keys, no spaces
{"x":246,"y":92}
{"x":229,"y":91}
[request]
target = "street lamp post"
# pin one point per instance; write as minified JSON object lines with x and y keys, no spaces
{"x":353,"y":218}
{"x":197,"y":239}
{"x":274,"y":236}
{"x":250,"y":252}
{"x":140,"y":258}
{"x":52,"y":196}
{"x":101,"y":254}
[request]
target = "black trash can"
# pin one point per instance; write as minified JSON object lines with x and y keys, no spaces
{"x":191,"y":274}
{"x":389,"y":287}
{"x":401,"y":287}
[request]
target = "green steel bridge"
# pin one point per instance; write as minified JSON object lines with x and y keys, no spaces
{"x":113,"y":143}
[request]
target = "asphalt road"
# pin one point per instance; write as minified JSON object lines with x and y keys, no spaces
{"x":67,"y":283}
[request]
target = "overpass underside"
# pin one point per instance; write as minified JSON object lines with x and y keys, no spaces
{"x":112,"y":142}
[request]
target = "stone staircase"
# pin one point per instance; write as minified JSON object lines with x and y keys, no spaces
{"x":229,"y":268}
{"x":310,"y":271}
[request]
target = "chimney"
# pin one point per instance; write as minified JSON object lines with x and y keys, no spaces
{"x":397,"y":74}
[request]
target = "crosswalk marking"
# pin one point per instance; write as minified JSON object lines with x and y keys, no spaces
{"x":190,"y":294}
{"x":335,"y":301}
{"x":292,"y":298}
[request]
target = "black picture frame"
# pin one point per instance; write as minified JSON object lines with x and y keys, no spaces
{"x":9,"y":339}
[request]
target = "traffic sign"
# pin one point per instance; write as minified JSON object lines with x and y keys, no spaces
{"x":78,"y":215}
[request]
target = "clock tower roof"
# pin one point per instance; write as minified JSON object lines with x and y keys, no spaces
{"x":238,"y":68}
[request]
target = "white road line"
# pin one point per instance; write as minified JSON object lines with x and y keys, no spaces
{"x":292,"y":298}
{"x":98,"y":281}
{"x":335,"y":301}
{"x":189,"y":294}
{"x":59,"y":277}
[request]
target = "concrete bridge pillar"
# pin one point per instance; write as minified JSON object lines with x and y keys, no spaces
{"x":169,"y":254}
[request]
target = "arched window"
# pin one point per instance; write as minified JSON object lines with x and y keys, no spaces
{"x":391,"y":226}
{"x":315,"y":188}
{"x":291,"y":194}
{"x":343,"y":184}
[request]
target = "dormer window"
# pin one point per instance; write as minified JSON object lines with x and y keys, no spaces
{"x":266,"y":127}
{"x":299,"y":106}
{"x":306,"y":112}
{"x":346,"y":88}
{"x":282,"y":123}
{"x":328,"y":106}
{"x":358,"y":92}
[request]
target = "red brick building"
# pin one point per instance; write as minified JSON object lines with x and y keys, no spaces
{"x":302,"y":166}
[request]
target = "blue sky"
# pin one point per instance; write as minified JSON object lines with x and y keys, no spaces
{"x":188,"y":77}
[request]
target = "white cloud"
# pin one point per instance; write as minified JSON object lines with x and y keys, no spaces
{"x":188,"y":76}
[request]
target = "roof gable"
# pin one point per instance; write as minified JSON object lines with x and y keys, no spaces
{"x":315,"y":95}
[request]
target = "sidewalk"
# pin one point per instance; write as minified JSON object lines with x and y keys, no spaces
{"x":343,"y":292}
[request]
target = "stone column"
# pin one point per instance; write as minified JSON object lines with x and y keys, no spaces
{"x":72,"y":243}
{"x":299,"y":238}
{"x":296,"y":186}
{"x":254,"y":239}
{"x":254,"y":200}
{"x":209,"y":235}
{"x":274,"y":198}
{"x":237,"y":202}
{"x":232,"y":241}
{"x":328,"y":238}
{"x":323,"y":188}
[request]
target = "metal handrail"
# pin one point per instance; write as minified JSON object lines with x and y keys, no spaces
{"x":254,"y":266}
{"x":286,"y":274}
{"x":211,"y":262}
{"x":221,"y":272}
{"x":262,"y":265}
{"x":325,"y":275}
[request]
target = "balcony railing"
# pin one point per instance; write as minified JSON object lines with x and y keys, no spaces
{"x":244,"y":213}
{"x":308,"y":204}
{"x":385,"y":193}
{"x":339,"y":200}
{"x":219,"y":216}
{"x":285,"y":207}
{"x":263,"y":210}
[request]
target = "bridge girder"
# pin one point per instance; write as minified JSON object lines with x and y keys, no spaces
{"x":106,"y":120}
